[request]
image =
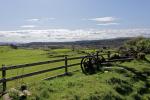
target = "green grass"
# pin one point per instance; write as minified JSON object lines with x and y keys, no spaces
{"x":112,"y":85}
{"x":10,"y":57}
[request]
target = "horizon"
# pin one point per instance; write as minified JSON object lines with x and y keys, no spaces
{"x":72,"y":20}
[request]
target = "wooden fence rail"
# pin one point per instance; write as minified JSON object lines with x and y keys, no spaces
{"x":4,"y":69}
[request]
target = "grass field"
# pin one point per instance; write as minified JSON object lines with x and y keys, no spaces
{"x":9,"y":56}
{"x":114,"y":84}
{"x":106,"y":85}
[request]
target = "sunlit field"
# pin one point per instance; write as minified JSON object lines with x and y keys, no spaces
{"x":112,"y":84}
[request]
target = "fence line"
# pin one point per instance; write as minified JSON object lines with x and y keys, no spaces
{"x":4,"y":69}
{"x":38,"y":63}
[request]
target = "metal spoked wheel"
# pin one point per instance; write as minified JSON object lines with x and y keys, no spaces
{"x":88,"y":64}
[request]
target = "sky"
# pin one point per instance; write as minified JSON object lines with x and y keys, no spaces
{"x":72,"y":20}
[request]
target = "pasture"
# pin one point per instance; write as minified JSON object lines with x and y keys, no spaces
{"x":112,"y":84}
{"x":10,"y":57}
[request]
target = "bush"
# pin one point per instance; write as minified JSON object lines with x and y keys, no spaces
{"x":115,"y":56}
{"x":13,"y":46}
{"x":141,"y":56}
{"x":124,"y":89}
{"x":136,"y":47}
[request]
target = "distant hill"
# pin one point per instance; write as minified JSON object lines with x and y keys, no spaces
{"x":112,"y":43}
{"x":3,"y":43}
{"x":117,"y":42}
{"x":8,"y":43}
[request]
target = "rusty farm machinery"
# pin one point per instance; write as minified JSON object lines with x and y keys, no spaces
{"x":93,"y":63}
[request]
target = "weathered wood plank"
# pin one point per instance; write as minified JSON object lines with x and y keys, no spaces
{"x":32,"y":64}
{"x":30,"y":74}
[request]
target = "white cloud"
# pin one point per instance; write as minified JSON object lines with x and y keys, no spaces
{"x":107,"y":24}
{"x":105,"y":21}
{"x":33,"y":20}
{"x":61,"y":35}
{"x":40,"y":19}
{"x":28,"y":26}
{"x":50,"y":18}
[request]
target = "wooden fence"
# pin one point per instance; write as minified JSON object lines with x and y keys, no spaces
{"x":4,"y":69}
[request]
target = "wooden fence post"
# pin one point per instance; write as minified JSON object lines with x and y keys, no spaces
{"x":108,"y":54}
{"x":4,"y":78}
{"x":97,"y":54}
{"x":66,"y":65}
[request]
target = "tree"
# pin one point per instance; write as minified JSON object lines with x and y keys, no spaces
{"x":135,"y":46}
{"x":13,"y":46}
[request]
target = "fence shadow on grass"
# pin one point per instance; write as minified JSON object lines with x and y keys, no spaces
{"x":148,"y":61}
{"x":139,"y":76}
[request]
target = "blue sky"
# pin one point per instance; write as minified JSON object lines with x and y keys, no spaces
{"x":74,"y":15}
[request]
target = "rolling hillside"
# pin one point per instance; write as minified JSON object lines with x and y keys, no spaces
{"x":113,"y":84}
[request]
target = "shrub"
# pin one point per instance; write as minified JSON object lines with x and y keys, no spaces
{"x":13,"y":46}
{"x":135,"y":46}
{"x":137,"y":97}
{"x":141,"y":56}
{"x":124,"y":89}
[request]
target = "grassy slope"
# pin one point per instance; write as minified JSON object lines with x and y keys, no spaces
{"x":10,"y":57}
{"x":111,"y":85}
